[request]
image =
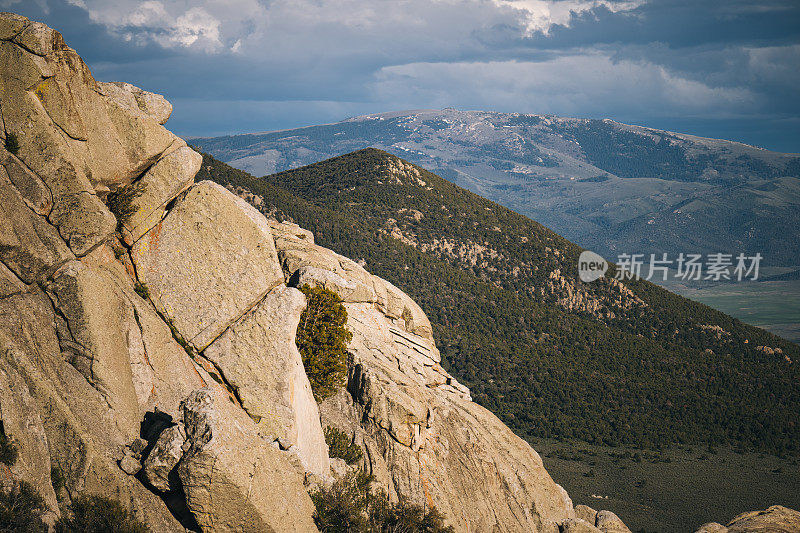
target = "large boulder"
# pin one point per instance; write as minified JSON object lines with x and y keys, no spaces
{"x":235,"y":480}
{"x":165,"y":180}
{"x":608,"y":522}
{"x":164,"y":457}
{"x":259,"y":358}
{"x":776,"y":519}
{"x":210,"y":260}
{"x":137,"y":101}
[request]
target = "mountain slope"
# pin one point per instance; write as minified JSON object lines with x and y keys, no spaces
{"x":607,"y":186}
{"x":606,"y":362}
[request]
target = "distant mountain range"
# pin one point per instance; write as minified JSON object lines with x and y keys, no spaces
{"x":607,"y":186}
{"x":606,"y":362}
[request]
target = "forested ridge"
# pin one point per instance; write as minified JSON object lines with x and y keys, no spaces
{"x":618,"y":363}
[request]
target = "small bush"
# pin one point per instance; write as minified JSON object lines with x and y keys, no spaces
{"x":348,"y":506}
{"x":95,"y":514}
{"x":21,"y":510}
{"x":12,"y":143}
{"x":341,"y":446}
{"x":322,"y":340}
{"x":406,"y":518}
{"x":57,"y":479}
{"x":120,"y":202}
{"x":8,"y":452}
{"x":342,"y":508}
{"x":141,"y":290}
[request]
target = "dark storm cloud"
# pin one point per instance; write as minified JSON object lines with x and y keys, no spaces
{"x":727,"y":69}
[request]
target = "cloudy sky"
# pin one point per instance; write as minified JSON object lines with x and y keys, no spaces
{"x":719,"y":68}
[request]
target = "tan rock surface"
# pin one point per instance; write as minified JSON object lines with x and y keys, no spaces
{"x":51,"y":400}
{"x":209,"y":261}
{"x":259,"y":358}
{"x":165,"y":180}
{"x":608,"y":522}
{"x":584,"y":512}
{"x":776,"y":519}
{"x":577,"y":525}
{"x":164,"y":457}
{"x":137,"y":101}
{"x":234,"y":480}
{"x":29,"y":246}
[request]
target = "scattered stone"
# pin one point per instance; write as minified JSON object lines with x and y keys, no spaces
{"x":129,"y":464}
{"x":608,"y":522}
{"x":164,"y":456}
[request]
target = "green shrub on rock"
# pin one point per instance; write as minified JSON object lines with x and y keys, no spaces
{"x":322,"y":340}
{"x":21,"y":510}
{"x":341,"y":446}
{"x":349,"y":506}
{"x":120,"y":202}
{"x":343,"y":507}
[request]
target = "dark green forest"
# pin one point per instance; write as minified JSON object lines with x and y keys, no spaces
{"x":607,"y":363}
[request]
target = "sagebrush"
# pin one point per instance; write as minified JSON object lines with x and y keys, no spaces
{"x":349,"y":506}
{"x":322,"y":340}
{"x":342,"y":446}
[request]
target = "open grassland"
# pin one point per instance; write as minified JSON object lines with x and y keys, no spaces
{"x":772,"y":305}
{"x":674,"y":490}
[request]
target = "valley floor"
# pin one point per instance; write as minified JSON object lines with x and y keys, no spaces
{"x":771,"y":305}
{"x":676,"y":490}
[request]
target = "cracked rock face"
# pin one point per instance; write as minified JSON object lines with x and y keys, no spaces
{"x":85,"y":356}
{"x":424,"y":440}
{"x":78,"y":142}
{"x":259,"y":357}
{"x":207,"y":262}
{"x":234,"y":480}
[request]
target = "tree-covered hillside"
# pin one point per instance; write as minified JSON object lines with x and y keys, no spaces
{"x":606,"y":362}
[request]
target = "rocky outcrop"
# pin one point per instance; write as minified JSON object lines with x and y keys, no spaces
{"x":97,"y":369}
{"x":230,"y":474}
{"x":207,"y":262}
{"x":259,"y":358}
{"x":587,"y":519}
{"x":424,"y":440}
{"x":149,"y":355}
{"x":80,"y":143}
{"x":776,"y":519}
{"x":162,"y":182}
